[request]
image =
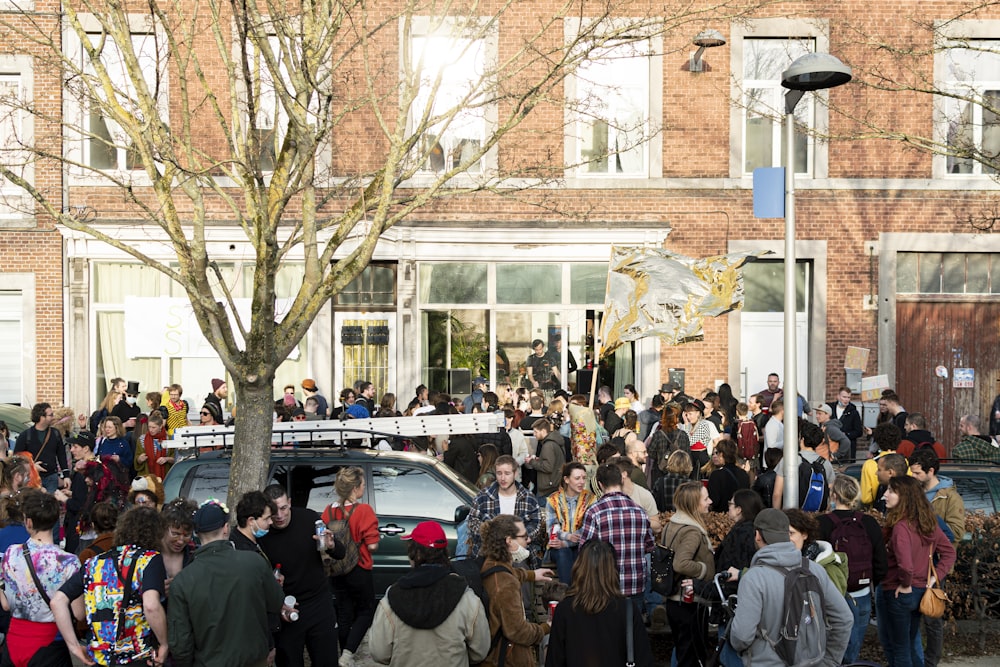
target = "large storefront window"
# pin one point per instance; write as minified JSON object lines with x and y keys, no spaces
{"x":482,"y":318}
{"x":143,"y":329}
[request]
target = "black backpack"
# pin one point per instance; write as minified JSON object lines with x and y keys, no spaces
{"x":470,"y":569}
{"x":814,"y":489}
{"x":850,"y":537}
{"x":802,"y":633}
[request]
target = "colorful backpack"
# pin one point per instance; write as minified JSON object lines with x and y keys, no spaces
{"x":113,"y":600}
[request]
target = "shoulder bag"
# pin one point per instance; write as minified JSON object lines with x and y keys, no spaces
{"x":935,"y":601}
{"x":662,"y":567}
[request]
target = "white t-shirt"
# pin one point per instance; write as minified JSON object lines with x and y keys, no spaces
{"x":507,"y":503}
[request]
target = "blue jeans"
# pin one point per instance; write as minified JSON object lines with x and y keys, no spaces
{"x":900,"y":617}
{"x":652,"y":599}
{"x":728,"y":657}
{"x":564,"y":559}
{"x":861,"y":609}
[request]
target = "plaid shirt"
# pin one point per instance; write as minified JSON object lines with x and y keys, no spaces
{"x":486,"y":506}
{"x":615,"y":518}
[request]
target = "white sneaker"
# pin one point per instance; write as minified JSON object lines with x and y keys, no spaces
{"x":346,"y":659}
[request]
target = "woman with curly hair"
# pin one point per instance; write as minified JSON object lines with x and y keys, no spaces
{"x":586,"y":626}
{"x":505,"y":542}
{"x":143,"y":624}
{"x":354,"y":591}
{"x":175,"y":542}
{"x":912,"y":538}
{"x":564,"y":517}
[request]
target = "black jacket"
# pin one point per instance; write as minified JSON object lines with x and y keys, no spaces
{"x":424,"y":597}
{"x":595,"y":640}
{"x":723,"y":483}
{"x":850,"y":421}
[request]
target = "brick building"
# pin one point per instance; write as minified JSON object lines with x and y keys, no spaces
{"x":895,"y":246}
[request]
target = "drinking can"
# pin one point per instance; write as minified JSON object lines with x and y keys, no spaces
{"x":688,"y":593}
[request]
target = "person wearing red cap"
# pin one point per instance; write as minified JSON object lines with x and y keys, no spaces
{"x":430,"y":616}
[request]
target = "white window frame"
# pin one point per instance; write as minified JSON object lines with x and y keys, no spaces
{"x":817,"y":30}
{"x":957,"y":34}
{"x":652,"y":158}
{"x":16,"y":206}
{"x":76,"y":111}
{"x":426,"y":26}
{"x":324,"y":150}
{"x":25,"y":284}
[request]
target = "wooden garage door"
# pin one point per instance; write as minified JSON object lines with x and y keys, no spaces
{"x":952,"y":335}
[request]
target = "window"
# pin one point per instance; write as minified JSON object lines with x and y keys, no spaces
{"x":271,"y":116}
{"x":763,"y":104}
{"x":374,"y":286}
{"x":448,"y":66}
{"x":612,"y":109}
{"x":11,"y":337}
{"x":971,"y":111}
{"x":947,"y":273}
{"x":409,"y":492}
{"x":106,"y":145}
{"x":16,"y":132}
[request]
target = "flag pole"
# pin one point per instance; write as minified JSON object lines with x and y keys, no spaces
{"x":599,"y":334}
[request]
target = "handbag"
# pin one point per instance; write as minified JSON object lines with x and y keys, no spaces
{"x":935,"y":600}
{"x":662,"y":568}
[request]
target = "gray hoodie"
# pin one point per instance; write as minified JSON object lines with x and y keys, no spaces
{"x":761,"y":601}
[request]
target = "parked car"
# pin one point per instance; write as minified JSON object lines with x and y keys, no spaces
{"x":18,"y":419}
{"x":977,"y":483}
{"x":403,"y":489}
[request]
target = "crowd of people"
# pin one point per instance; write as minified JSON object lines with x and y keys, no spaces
{"x":98,"y":566}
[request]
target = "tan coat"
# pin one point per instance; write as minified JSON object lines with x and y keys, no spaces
{"x":693,"y":557}
{"x":507,"y":612}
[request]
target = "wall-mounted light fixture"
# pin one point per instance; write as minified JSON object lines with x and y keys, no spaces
{"x":705,"y":39}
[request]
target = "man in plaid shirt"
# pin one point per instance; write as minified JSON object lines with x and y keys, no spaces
{"x":615,"y":518}
{"x":504,"y":496}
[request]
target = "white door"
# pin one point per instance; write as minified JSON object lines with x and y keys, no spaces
{"x":365,"y":349}
{"x":762,"y":350}
{"x":11,"y":353}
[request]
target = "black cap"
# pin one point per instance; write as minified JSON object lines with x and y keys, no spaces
{"x":83,"y":439}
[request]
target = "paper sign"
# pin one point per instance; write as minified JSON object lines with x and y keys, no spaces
{"x":964,"y":378}
{"x":871,"y":387}
{"x":857,"y":357}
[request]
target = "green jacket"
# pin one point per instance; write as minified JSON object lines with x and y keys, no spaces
{"x":217,"y":616}
{"x":835,"y":564}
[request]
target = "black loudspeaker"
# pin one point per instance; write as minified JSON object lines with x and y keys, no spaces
{"x":584,"y":376}
{"x":459,"y":381}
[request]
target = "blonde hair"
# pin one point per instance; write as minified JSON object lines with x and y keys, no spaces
{"x":679,"y":463}
{"x":846,"y":489}
{"x":348,"y":480}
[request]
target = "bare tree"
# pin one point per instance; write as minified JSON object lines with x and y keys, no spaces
{"x":314,"y":127}
{"x":923,"y":83}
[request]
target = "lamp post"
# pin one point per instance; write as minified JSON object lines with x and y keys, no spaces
{"x":813,"y":71}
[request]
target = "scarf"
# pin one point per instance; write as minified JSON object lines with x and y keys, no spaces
{"x":571,"y":519}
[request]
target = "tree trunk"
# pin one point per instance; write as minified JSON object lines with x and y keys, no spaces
{"x":254,"y":418}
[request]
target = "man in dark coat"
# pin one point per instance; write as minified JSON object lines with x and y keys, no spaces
{"x":221,"y":583}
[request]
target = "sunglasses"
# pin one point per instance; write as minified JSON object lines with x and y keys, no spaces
{"x":205,"y":414}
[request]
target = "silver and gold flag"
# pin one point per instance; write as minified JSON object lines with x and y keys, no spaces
{"x":655,"y":292}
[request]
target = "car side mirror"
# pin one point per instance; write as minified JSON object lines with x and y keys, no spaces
{"x":461,"y":512}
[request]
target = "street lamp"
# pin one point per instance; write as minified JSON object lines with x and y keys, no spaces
{"x":813,"y":71}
